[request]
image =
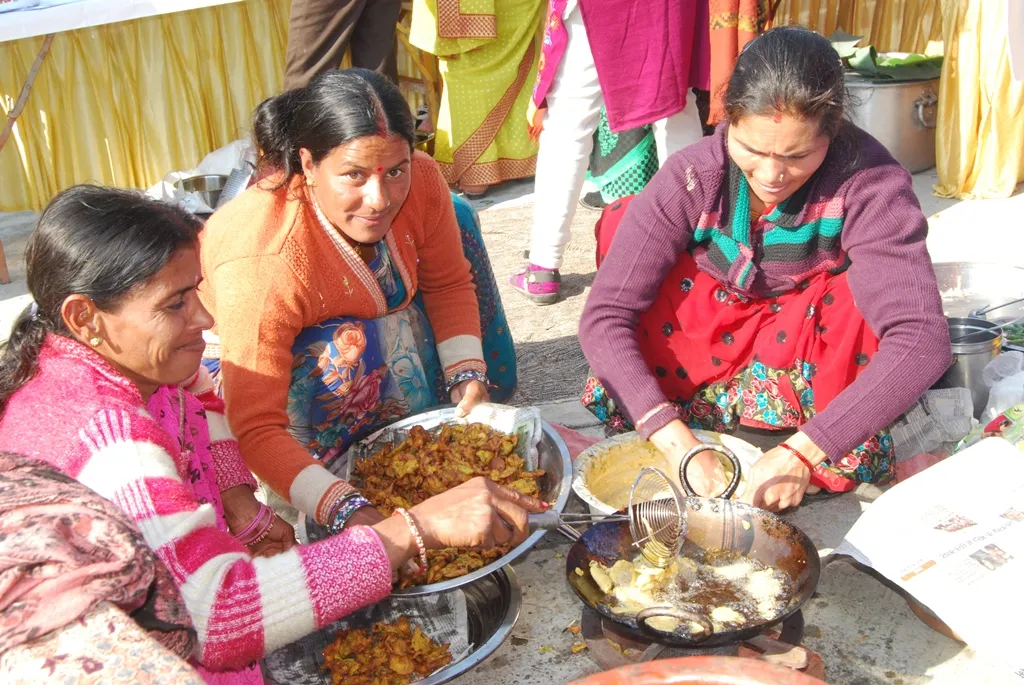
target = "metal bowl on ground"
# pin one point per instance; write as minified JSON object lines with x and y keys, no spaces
{"x":492,"y":607}
{"x":493,"y":604}
{"x":604,"y":473}
{"x":207,"y":187}
{"x":967,"y":286}
{"x":555,"y":486}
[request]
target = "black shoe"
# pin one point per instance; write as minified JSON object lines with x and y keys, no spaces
{"x":593,"y":201}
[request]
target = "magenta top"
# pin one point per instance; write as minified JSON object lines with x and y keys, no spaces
{"x":890,"y":276}
{"x":648,"y":54}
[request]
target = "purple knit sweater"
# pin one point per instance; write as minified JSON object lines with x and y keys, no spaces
{"x":890,"y":276}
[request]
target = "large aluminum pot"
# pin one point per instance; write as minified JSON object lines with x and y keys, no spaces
{"x":971,"y":355}
{"x":900,"y":114}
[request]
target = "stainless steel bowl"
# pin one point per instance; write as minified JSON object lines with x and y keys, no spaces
{"x":555,"y":486}
{"x":492,"y":607}
{"x":493,"y":604}
{"x":208,"y":187}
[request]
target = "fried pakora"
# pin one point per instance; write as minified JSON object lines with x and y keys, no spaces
{"x":396,"y":653}
{"x":424,"y":465}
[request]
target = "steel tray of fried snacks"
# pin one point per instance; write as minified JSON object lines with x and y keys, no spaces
{"x":555,"y":486}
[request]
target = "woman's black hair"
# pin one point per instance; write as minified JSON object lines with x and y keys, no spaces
{"x":93,"y":241}
{"x":335,"y":107}
{"x":789,"y":70}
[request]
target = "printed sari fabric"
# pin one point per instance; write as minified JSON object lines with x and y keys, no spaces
{"x":733,"y":24}
{"x":769,"y":363}
{"x":487,"y":55}
{"x":67,"y":554}
{"x":352,"y":376}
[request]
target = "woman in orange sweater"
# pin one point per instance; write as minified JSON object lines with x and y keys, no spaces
{"x":342,"y":292}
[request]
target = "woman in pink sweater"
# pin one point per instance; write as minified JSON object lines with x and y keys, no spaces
{"x":93,"y":381}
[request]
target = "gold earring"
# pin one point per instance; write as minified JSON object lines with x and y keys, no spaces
{"x":310,"y":182}
{"x":95,"y":341}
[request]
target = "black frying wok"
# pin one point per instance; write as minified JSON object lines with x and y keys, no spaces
{"x":713,"y":524}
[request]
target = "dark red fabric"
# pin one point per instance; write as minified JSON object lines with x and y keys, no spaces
{"x":697,"y":333}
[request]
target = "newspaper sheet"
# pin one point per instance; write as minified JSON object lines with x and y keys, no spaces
{"x":936,"y":423}
{"x":953,"y":537}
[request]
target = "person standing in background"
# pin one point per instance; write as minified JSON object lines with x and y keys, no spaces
{"x":641,"y":60}
{"x":320,"y":32}
{"x":488,"y":63}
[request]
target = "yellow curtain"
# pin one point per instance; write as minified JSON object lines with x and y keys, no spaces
{"x":980,"y":138}
{"x":126,"y":103}
{"x":889,"y":25}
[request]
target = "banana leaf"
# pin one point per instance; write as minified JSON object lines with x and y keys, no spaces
{"x":866,"y":61}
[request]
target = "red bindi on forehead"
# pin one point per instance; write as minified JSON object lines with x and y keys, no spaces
{"x":380,"y":169}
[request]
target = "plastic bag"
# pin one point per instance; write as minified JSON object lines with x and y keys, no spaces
{"x":1004,"y":376}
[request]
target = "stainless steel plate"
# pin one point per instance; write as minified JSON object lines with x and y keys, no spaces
{"x":554,"y":488}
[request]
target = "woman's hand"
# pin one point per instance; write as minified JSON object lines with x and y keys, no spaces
{"x":534,"y":128}
{"x":241,"y":507}
{"x":281,"y":538}
{"x":467,"y":395}
{"x":478,"y":513}
{"x":779,"y":480}
{"x":705,"y":473}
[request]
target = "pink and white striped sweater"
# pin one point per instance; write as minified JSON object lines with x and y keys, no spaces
{"x":81,"y":415}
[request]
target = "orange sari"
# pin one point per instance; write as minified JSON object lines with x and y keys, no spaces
{"x":734,"y":23}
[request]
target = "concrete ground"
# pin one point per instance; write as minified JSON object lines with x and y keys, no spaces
{"x":862,"y":628}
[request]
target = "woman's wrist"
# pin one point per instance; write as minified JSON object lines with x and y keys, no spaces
{"x":240,"y":507}
{"x":674,"y":436}
{"x":343,"y":510}
{"x":465,"y":377}
{"x":805,"y":447}
{"x":398,"y":541}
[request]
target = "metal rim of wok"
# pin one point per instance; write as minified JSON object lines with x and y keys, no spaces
{"x":434,"y":418}
{"x":600,"y":542}
{"x":512,"y":597}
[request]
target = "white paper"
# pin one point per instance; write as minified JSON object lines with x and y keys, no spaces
{"x":953,"y":537}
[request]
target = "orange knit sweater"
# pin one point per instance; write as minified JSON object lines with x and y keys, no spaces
{"x":272,"y":268}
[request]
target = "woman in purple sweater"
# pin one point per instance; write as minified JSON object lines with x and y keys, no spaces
{"x":773,"y":275}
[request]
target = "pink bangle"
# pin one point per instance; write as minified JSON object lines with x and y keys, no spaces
{"x":422,"y":548}
{"x":803,"y":460}
{"x":258,"y":528}
{"x":263,"y":534}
